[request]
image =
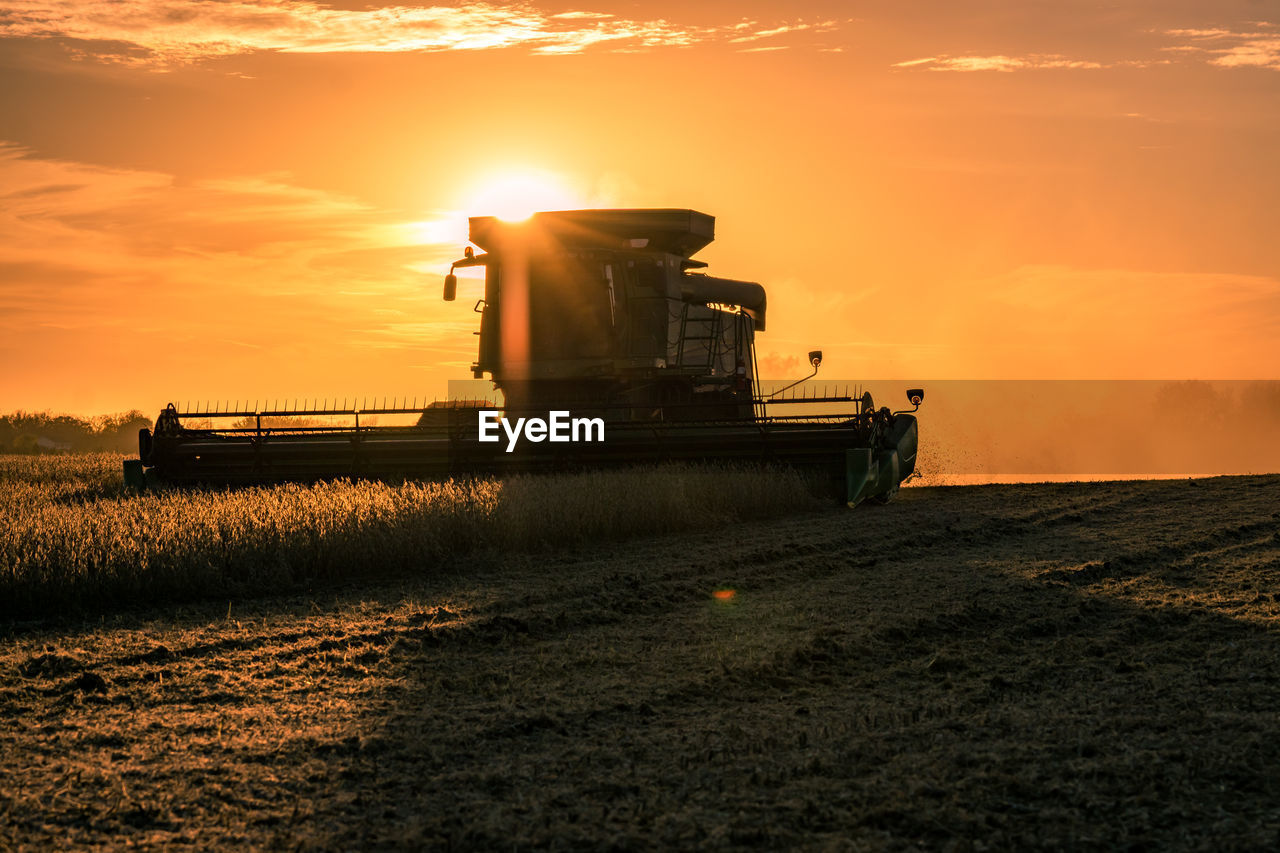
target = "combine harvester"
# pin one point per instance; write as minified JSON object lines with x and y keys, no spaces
{"x":594,"y":322}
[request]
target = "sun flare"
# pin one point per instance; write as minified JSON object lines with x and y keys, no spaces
{"x":518,"y":195}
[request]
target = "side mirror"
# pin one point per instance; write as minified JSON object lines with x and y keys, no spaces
{"x":815,"y":358}
{"x":450,"y":287}
{"x":915,"y":396}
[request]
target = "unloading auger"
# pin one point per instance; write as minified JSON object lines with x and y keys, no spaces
{"x":601,"y":315}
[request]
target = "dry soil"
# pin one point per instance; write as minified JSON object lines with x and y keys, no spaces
{"x":1070,"y":665}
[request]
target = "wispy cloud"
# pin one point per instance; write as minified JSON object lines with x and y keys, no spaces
{"x":746,"y":31}
{"x":1258,"y":47}
{"x":1255,"y":47}
{"x":122,"y":287}
{"x":163,"y":33}
{"x":84,"y":246}
{"x":1000,"y":62}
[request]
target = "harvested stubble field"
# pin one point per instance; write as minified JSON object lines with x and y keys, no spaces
{"x":1068,"y":665}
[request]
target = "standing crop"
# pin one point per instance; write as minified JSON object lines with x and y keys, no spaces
{"x":72,"y":535}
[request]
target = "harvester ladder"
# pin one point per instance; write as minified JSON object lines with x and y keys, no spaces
{"x":714,"y":338}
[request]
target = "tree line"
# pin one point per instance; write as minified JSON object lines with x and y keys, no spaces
{"x":44,"y":432}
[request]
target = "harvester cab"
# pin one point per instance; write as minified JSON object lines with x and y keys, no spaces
{"x":606,"y":310}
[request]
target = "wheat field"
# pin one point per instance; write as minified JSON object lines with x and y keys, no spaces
{"x":74,"y":537}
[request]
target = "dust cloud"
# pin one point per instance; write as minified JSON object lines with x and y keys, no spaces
{"x":1002,"y":430}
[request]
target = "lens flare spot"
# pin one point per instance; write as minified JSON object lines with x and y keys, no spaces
{"x":724,"y":594}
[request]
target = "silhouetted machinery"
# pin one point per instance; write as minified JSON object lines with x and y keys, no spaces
{"x":602,"y":316}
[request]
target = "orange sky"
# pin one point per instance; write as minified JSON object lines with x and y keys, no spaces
{"x":259,"y":199}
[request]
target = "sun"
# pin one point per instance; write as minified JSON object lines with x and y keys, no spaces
{"x":517,"y":195}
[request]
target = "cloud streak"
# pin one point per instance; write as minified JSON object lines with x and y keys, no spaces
{"x":1000,"y":62}
{"x":1257,"y":48}
{"x":121,"y":287}
{"x":84,"y":246}
{"x":163,"y":33}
